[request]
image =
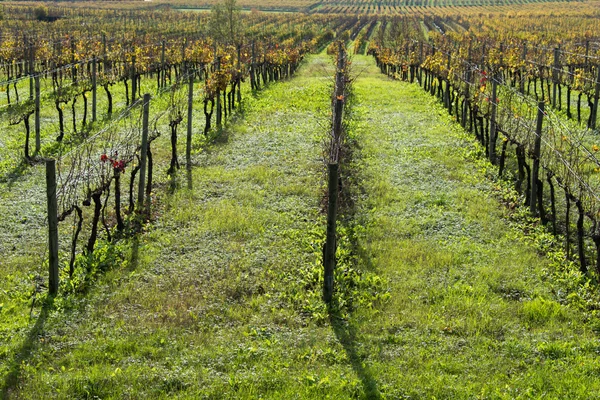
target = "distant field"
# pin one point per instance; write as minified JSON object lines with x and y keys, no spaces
{"x":381,"y":7}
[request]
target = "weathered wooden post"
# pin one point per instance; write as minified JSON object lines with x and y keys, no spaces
{"x":144,"y":153}
{"x":73,"y":63}
{"x":38,"y":143}
{"x":330,"y":241}
{"x":555,"y":69}
{"x":253,"y":83}
{"x":467,"y":103}
{"x":188,"y":143}
{"x":218,"y":95}
{"x":493,"y":126}
{"x":117,"y":176}
{"x":501,"y":65}
{"x":162,"y":73}
{"x":31,"y":69}
{"x":587,"y":53}
{"x":94,"y":87}
{"x":52,"y":226}
{"x":533,"y":195}
{"x":420,"y":64}
{"x":447,"y":92}
{"x":133,"y":80}
{"x":339,"y":96}
{"x":239,"y":70}
{"x":596,"y":97}
{"x":333,"y":185}
{"x":523,"y":70}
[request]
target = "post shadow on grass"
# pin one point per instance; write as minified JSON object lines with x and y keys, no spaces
{"x":346,"y":334}
{"x":188,"y":177}
{"x":349,"y":188}
{"x":220,"y":136}
{"x":16,"y":173}
{"x":24,"y":353}
{"x":173,"y":182}
{"x":135,"y":253}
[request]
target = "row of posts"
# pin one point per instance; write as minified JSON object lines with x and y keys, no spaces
{"x":51,"y":173}
{"x":533,"y":195}
{"x":34,"y":88}
{"x":555,"y":72}
{"x":51,"y":190}
{"x":329,"y":260}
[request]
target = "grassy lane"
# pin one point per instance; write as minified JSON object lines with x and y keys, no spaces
{"x":23,"y":225}
{"x":220,"y":298}
{"x":470,"y":314}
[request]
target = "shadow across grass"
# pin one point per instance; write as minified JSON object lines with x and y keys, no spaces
{"x":9,"y":385}
{"x":173,"y":182}
{"x":350,"y":189}
{"x":135,"y":253}
{"x":188,"y":175}
{"x":346,"y":333}
{"x":11,"y":177}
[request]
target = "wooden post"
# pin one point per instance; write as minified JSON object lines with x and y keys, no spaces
{"x":218,"y":95}
{"x":73,"y":64}
{"x":38,"y":143}
{"x":104,"y":57}
{"x":522,"y":74}
{"x":117,"y":176}
{"x":144,"y":153}
{"x":188,"y":144}
{"x":339,"y":100}
{"x":447,"y":92}
{"x":330,"y":242}
{"x":52,"y":226}
{"x":420,"y":63}
{"x":533,"y":195}
{"x":555,"y":69}
{"x":133,"y":80}
{"x":501,"y":65}
{"x":587,"y":52}
{"x":596,"y":97}
{"x":333,"y":185}
{"x":239,"y":80}
{"x":183,"y":46}
{"x":94,"y":89}
{"x":580,"y":236}
{"x":493,"y":126}
{"x":31,"y":69}
{"x":467,"y":102}
{"x":163,"y":79}
{"x":253,"y":69}
{"x":483,"y":53}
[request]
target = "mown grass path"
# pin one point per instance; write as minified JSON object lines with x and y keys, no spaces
{"x":208,"y":303}
{"x":470,"y":315}
{"x":220,"y":298}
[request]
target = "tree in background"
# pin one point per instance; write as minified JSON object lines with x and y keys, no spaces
{"x":41,"y":13}
{"x":225,"y":24}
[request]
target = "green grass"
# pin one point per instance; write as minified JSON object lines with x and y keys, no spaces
{"x":467,"y":289}
{"x":440,"y":293}
{"x":23,"y":236}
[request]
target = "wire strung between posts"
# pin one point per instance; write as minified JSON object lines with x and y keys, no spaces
{"x":554,"y":121}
